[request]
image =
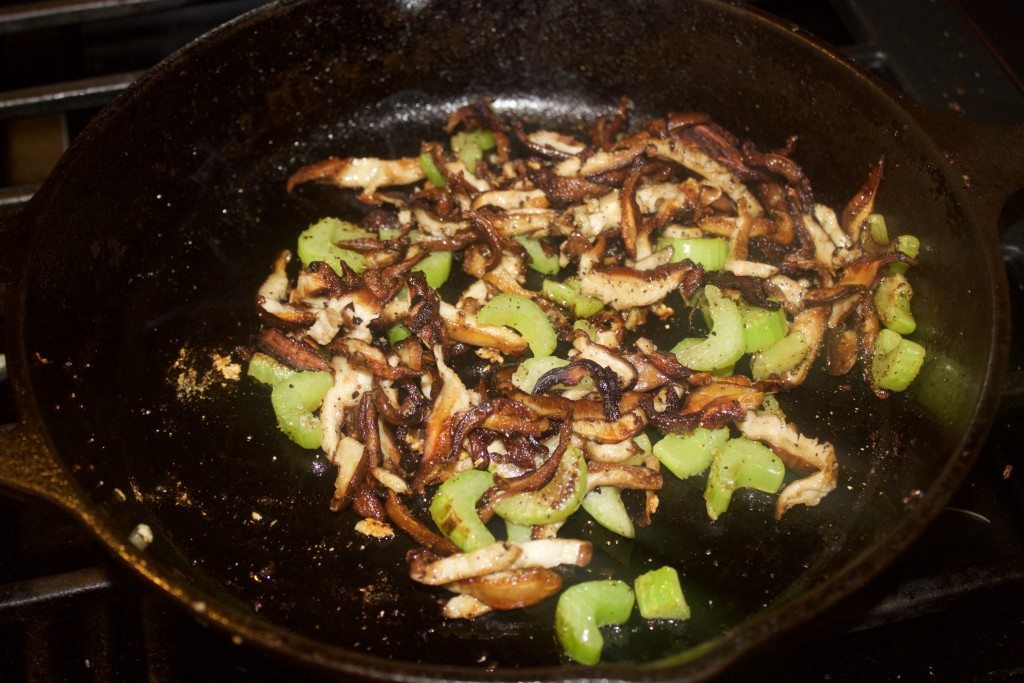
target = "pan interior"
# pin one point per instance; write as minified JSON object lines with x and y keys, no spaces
{"x":159,"y":228}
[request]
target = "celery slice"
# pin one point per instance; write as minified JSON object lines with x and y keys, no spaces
{"x":518,"y":533}
{"x":319,"y":242}
{"x":530,"y":370}
{"x":687,"y":455}
{"x":554,"y":501}
{"x":267,"y":370}
{"x":430,"y":170}
{"x":782,"y":356}
{"x":660,"y":596}
{"x":586,"y":327}
{"x":879,"y":232}
{"x":567,"y":294}
{"x":525,"y":317}
{"x":762,"y":327}
{"x":436,"y":267}
{"x":606,"y":507}
{"x":724,"y":345}
{"x":644,"y":442}
{"x":906,"y":244}
{"x":397,"y":333}
{"x":294,"y":399}
{"x":581,"y":612}
{"x":741,"y":463}
{"x":892,"y":299}
{"x":689,"y":343}
{"x":453,"y":509}
{"x":708,"y":252}
{"x":470,"y":146}
{"x":896,"y":368}
{"x":540,"y":260}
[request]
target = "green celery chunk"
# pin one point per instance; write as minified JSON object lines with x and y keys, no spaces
{"x":896,"y":362}
{"x":294,"y":399}
{"x":687,"y":455}
{"x":397,"y":333}
{"x":581,"y":612}
{"x":605,"y":505}
{"x":436,"y":267}
{"x":530,"y":370}
{"x":554,"y":501}
{"x":906,"y":244}
{"x":518,"y":533}
{"x":660,"y":596}
{"x":267,"y":370}
{"x":761,"y":327}
{"x":689,"y":343}
{"x":741,"y":463}
{"x":540,"y":260}
{"x":586,"y":327}
{"x":707,"y":252}
{"x":782,"y":356}
{"x":644,"y":442}
{"x":567,"y":294}
{"x":724,"y":345}
{"x":320,"y":243}
{"x":879,"y":233}
{"x":524,"y":316}
{"x":430,"y":170}
{"x":470,"y":146}
{"x":453,"y":509}
{"x":892,"y":299}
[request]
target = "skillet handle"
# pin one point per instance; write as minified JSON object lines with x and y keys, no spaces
{"x":27,"y":466}
{"x":990,"y":158}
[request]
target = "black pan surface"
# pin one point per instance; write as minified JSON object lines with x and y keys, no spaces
{"x":148,"y":243}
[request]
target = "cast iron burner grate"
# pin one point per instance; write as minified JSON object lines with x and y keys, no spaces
{"x":951,"y":608}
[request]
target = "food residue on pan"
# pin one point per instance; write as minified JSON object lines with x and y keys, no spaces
{"x":195,"y":372}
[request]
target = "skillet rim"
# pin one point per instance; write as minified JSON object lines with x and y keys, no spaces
{"x":713,"y":655}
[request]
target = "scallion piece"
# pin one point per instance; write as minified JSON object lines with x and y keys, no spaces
{"x":724,"y":344}
{"x":581,"y":612}
{"x":436,"y":267}
{"x":687,"y":455}
{"x":741,"y":463}
{"x":892,"y":299}
{"x":524,"y":316}
{"x":320,"y":243}
{"x":708,"y":252}
{"x":430,"y":170}
{"x":897,"y":361}
{"x":453,"y":509}
{"x":294,"y":399}
{"x":782,"y":356}
{"x":540,"y":260}
{"x":660,"y":596}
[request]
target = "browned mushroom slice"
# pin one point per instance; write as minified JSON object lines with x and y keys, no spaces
{"x":290,"y":316}
{"x":611,"y":452}
{"x":624,"y":288}
{"x":292,"y":352}
{"x":509,"y":200}
{"x":452,"y":399}
{"x":418,"y":531}
{"x":605,"y":431}
{"x":549,"y":553}
{"x":595,"y":216}
{"x":351,"y":459}
{"x":622,"y":476}
{"x":810,"y":322}
{"x":840,"y":350}
{"x":857,"y":210}
{"x":688,"y":154}
{"x":513,"y":589}
{"x":798,"y":452}
{"x":275,"y":287}
{"x":371,"y":358}
{"x":464,"y":607}
{"x":463,"y":327}
{"x":367,"y":173}
{"x":535,"y":222}
{"x":461,"y":566}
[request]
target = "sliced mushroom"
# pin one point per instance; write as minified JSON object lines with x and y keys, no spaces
{"x":367,"y":173}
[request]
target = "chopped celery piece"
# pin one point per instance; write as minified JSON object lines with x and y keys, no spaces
{"x":879,"y":233}
{"x":267,"y":370}
{"x":644,"y":442}
{"x":523,"y":315}
{"x":581,"y":612}
{"x":453,"y":509}
{"x":887,"y":341}
{"x":724,"y":345}
{"x":741,"y":463}
{"x":896,"y":368}
{"x":518,"y":533}
{"x":320,"y":243}
{"x":554,"y":501}
{"x":586,"y":327}
{"x":568,"y":294}
{"x":540,"y":260}
{"x":782,"y":356}
{"x":605,"y":505}
{"x":708,"y":252}
{"x":436,"y":267}
{"x":470,"y":146}
{"x":770,"y":406}
{"x":659,"y":595}
{"x":906,"y":244}
{"x":687,"y":455}
{"x":530,"y":370}
{"x":397,"y":333}
{"x":689,"y":343}
{"x":294,"y":399}
{"x":430,"y":170}
{"x":892,"y":299}
{"x":762,"y":328}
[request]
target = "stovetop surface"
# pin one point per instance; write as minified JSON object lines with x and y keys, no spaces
{"x":950,"y":609}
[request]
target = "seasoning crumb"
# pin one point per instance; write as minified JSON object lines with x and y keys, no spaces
{"x":1007,"y":471}
{"x":141,"y":536}
{"x":374,"y":528}
{"x":224,"y":365}
{"x":237,"y":640}
{"x":256,"y":516}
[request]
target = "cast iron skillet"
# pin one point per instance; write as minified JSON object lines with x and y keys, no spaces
{"x":139,"y":258}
